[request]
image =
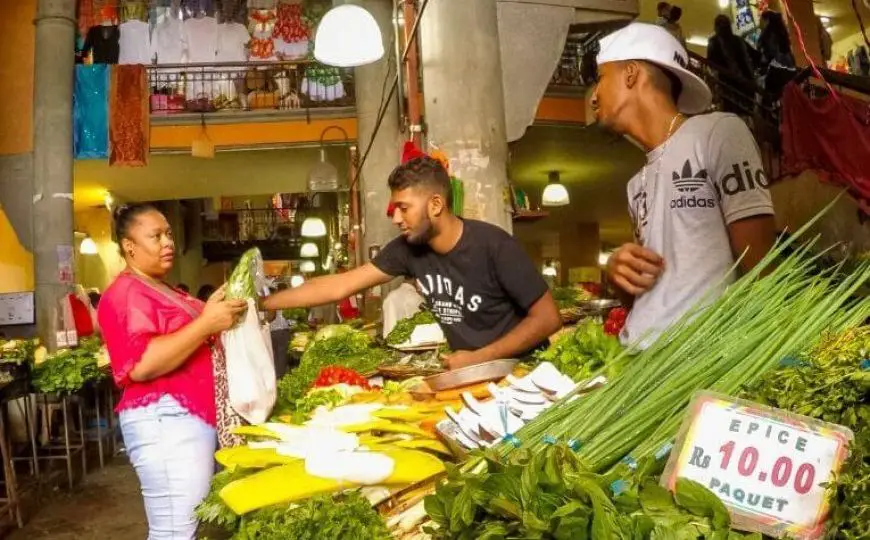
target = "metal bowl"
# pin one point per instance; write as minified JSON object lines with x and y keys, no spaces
{"x":488,"y":371}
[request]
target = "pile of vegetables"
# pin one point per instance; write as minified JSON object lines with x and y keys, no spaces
{"x":17,"y":351}
{"x":570,"y":297}
{"x":334,"y":345}
{"x":831,"y":382}
{"x":550,"y":495}
{"x":583,"y":352}
{"x":401,"y":333}
{"x":615,"y":321}
{"x":68,"y":370}
{"x":733,"y":342}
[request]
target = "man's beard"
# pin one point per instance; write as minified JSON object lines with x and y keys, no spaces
{"x":425,"y":231}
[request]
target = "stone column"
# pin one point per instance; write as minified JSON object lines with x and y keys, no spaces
{"x":52,"y":159}
{"x":464,"y":100}
{"x":387,"y":148}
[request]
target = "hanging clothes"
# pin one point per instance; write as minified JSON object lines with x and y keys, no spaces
{"x":167,"y":41}
{"x":829,"y":135}
{"x":134,"y":43}
{"x":91,"y":112}
{"x":86,"y":16}
{"x":261,"y":23}
{"x":129,"y":116}
{"x":104,"y":41}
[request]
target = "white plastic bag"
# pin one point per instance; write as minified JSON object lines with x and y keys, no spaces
{"x":250,"y":368}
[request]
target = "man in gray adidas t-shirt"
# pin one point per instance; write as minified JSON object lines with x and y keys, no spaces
{"x":702,"y":198}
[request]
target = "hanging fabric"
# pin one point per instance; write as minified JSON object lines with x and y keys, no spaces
{"x":128,"y":116}
{"x":91,"y":112}
{"x":829,"y":135}
{"x":86,"y":16}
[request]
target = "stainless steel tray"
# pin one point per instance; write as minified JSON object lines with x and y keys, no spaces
{"x":488,"y":371}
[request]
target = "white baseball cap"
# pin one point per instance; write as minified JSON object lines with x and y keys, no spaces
{"x":652,"y":43}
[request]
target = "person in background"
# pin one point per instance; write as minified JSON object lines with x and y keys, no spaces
{"x":729,"y":56}
{"x":205,"y":292}
{"x":164,"y":358}
{"x":183,"y":288}
{"x":663,"y":13}
{"x":673,"y":24}
{"x":699,"y":203}
{"x":777,"y":60}
{"x":826,"y":43}
{"x":488,"y":296}
{"x":94,"y":297}
{"x":401,"y":303}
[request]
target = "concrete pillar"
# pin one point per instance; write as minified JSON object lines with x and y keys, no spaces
{"x":464,"y":107}
{"x":53,"y":159}
{"x":387,"y":148}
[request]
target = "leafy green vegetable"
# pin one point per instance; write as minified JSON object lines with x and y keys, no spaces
{"x":298,"y":315}
{"x":316,"y":398}
{"x":569,"y":297}
{"x":318,"y":518}
{"x":241,"y":284}
{"x":581,"y":353}
{"x":17,"y":351}
{"x":335,"y":345}
{"x":405,"y":327}
{"x":212,"y":511}
{"x":830,"y":382}
{"x":549,"y":495}
{"x":67,"y":370}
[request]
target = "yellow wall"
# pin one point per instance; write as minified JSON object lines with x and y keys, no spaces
{"x":16,"y":263}
{"x":843,"y":46}
{"x":97,"y":271}
{"x":16,"y":71}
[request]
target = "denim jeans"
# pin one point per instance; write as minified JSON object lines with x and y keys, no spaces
{"x":173,"y":454}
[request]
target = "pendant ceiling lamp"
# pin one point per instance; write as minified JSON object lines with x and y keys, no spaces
{"x":313,"y":227}
{"x":555,"y":193}
{"x":309,"y":250}
{"x":296,"y":281}
{"x":307,"y":267}
{"x":348,"y":36}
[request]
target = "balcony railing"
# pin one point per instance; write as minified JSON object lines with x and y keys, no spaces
{"x":248,"y":86}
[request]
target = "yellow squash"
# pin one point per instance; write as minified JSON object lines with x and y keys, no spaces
{"x":401,"y":415}
{"x":411,"y":466}
{"x":427,"y":444}
{"x":255,"y":431}
{"x":250,"y":458}
{"x":277,"y":485}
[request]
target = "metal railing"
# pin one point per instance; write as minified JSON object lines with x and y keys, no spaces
{"x":248,"y":86}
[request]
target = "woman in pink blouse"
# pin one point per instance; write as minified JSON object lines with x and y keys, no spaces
{"x":160,"y":346}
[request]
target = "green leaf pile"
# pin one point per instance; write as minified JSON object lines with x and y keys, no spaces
{"x":832,"y":383}
{"x":582,"y":352}
{"x":549,"y":495}
{"x":67,"y":370}
{"x":405,"y":327}
{"x":336,"y":345}
{"x":241,"y":283}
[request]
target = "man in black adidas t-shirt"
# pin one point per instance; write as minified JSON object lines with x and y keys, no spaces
{"x":487,"y":294}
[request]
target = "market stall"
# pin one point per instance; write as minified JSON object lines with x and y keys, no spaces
{"x":586,"y":440}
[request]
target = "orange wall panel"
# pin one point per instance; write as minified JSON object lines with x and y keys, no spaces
{"x":562,"y":109}
{"x":251,"y":134}
{"x":17,"y":35}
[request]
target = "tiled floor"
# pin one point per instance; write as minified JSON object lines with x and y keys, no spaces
{"x":107,"y":505}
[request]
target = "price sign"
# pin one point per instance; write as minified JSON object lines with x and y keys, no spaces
{"x":768,"y":466}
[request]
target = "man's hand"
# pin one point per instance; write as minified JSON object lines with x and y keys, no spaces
{"x":634,"y":268}
{"x":461,"y":359}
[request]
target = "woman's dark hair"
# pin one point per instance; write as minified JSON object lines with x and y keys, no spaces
{"x":722,"y":26}
{"x":676,"y":13}
{"x":775,"y":37}
{"x":125,"y":215}
{"x":94,"y":297}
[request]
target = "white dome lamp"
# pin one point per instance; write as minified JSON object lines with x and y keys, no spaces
{"x":555,"y":193}
{"x":309,"y":250}
{"x":88,"y":246}
{"x":307,"y":267}
{"x":313,"y":227}
{"x":348,"y":36}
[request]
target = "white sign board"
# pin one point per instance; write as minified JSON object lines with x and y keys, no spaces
{"x":16,"y":308}
{"x":768,"y":466}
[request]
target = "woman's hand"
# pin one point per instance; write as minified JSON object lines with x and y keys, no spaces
{"x":220,"y":314}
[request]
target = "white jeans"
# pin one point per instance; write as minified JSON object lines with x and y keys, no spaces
{"x":173,"y":454}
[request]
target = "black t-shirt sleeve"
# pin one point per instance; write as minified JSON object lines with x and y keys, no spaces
{"x":393,"y":259}
{"x":517,"y":274}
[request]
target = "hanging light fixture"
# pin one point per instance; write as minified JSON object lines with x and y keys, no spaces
{"x":296,"y":281}
{"x":88,"y":246}
{"x":555,"y":193}
{"x":313,"y":227}
{"x":309,"y":250}
{"x":348,"y":36}
{"x":307,"y":267}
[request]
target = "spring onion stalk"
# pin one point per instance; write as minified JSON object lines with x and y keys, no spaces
{"x":777,"y":309}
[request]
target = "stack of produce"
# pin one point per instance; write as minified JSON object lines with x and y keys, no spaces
{"x":583,"y":352}
{"x":401,"y":333}
{"x":570,"y":297}
{"x":68,"y":370}
{"x":346,"y":457}
{"x":832,"y":383}
{"x":16,"y":355}
{"x":335,"y":345}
